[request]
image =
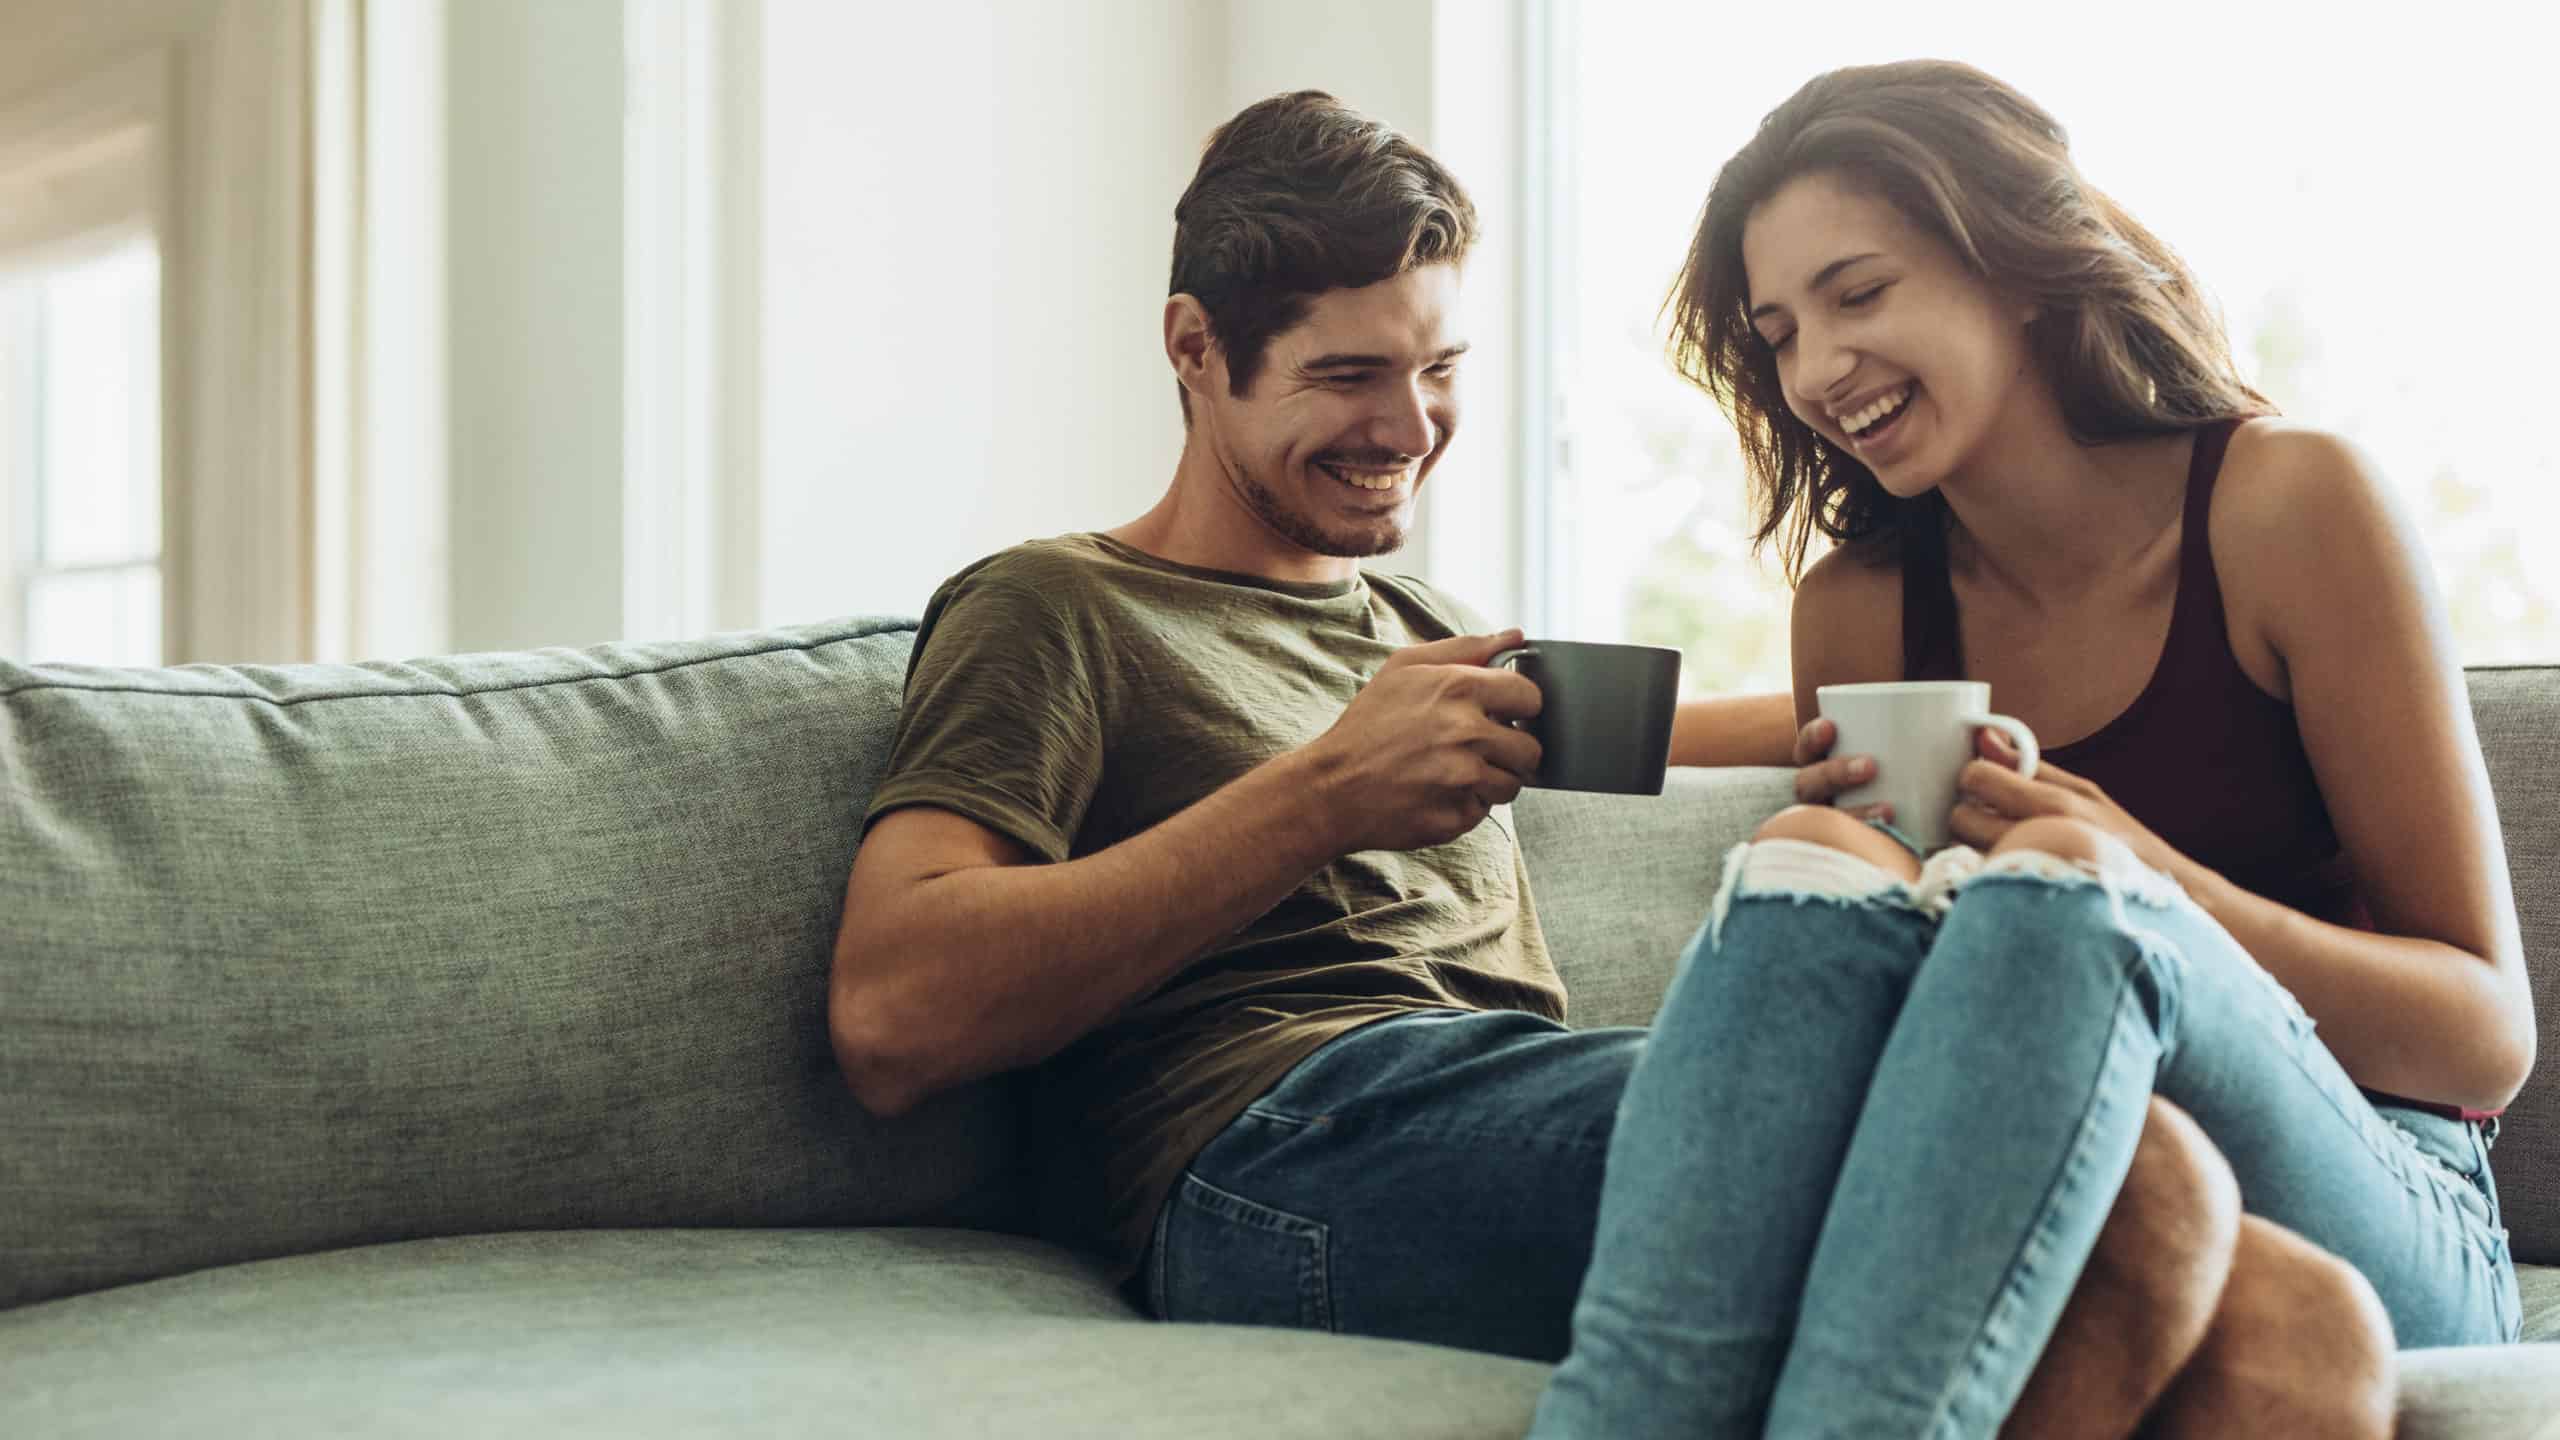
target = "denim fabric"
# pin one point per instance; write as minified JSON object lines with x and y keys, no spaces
{"x":1430,"y":1177}
{"x":1852,"y":1171}
{"x":1934,"y":1117}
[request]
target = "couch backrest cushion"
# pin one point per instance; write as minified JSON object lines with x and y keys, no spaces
{"x":2517,"y":709}
{"x":311,"y":956}
{"x":1623,"y":882}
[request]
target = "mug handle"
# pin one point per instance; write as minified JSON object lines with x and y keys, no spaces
{"x":2019,"y":735}
{"x":1507,"y":656}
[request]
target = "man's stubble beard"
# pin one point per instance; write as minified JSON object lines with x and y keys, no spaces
{"x":1302,"y":531}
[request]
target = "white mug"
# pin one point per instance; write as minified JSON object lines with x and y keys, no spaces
{"x":1921,"y":734}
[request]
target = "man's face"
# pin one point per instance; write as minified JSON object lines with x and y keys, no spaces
{"x":1351,"y":408}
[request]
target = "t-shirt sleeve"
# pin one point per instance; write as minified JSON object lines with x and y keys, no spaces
{"x":1000,"y":722}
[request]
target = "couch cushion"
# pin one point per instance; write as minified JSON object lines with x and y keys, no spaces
{"x":2517,"y":710}
{"x":908,"y":1333}
{"x":1622,"y":881}
{"x":313,"y":956}
{"x":912,"y":1333}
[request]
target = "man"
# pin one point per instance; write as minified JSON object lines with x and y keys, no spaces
{"x":1207,"y":823}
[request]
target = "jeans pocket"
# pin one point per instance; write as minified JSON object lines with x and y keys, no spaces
{"x":1226,"y":1260}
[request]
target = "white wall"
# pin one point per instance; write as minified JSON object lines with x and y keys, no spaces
{"x":968,"y":219}
{"x":968,"y":227}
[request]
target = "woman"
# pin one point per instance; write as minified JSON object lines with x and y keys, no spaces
{"x":2262,"y":810}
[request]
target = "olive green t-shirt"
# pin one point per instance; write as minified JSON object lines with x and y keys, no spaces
{"x":1073,"y":692}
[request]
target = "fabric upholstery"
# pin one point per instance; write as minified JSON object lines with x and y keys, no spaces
{"x":1622,"y":881}
{"x":2517,"y":710}
{"x":313,"y":956}
{"x":914,"y":1334}
{"x":302,"y":958}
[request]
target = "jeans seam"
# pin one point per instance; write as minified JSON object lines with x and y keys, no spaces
{"x":2035,"y":1244}
{"x":1454,"y":1134}
{"x":1315,"y":1277}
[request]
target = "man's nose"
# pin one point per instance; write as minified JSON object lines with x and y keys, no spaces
{"x":1404,"y":424}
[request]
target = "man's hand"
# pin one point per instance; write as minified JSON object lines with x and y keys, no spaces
{"x":1427,"y":748}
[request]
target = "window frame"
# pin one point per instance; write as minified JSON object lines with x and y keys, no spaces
{"x":84,"y":167}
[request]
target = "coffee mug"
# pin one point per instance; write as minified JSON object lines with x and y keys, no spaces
{"x":1920,"y":733}
{"x":1605,"y":721}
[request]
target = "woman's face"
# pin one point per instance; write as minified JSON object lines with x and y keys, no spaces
{"x":1886,"y":343}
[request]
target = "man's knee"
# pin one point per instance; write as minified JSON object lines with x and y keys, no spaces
{"x":1841,"y":831}
{"x":2300,"y":1338}
{"x":2169,"y":1244}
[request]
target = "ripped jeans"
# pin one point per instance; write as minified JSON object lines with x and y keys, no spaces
{"x":1877,"y":1128}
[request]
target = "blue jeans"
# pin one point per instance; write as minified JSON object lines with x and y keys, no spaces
{"x":1849,"y":1179}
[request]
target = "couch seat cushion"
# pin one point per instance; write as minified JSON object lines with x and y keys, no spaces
{"x":895,"y":1332}
{"x":908,"y":1333}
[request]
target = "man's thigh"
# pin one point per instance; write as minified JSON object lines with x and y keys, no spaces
{"x":1434,"y":1177}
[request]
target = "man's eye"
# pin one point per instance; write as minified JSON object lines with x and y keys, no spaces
{"x":1445,"y":367}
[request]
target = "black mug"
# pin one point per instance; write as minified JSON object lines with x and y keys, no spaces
{"x":1605,"y":724}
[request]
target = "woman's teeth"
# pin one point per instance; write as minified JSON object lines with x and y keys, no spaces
{"x":1881,"y":409}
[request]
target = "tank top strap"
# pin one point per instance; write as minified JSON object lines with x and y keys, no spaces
{"x":2197,"y":624}
{"x":1932,"y":642}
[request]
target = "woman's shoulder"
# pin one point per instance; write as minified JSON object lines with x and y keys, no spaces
{"x":1846,"y":617}
{"x":2300,"y":515}
{"x":2285,"y":483}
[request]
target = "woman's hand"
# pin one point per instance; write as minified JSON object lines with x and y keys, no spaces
{"x":1991,"y":796}
{"x":1820,"y":775}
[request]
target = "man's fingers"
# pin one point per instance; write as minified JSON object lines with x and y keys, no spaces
{"x":1456,"y":650}
{"x":1506,"y":695}
{"x":1515,"y":752}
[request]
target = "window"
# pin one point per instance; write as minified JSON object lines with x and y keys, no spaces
{"x":2356,"y":206}
{"x":80,"y":456}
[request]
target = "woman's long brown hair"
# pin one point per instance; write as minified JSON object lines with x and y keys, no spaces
{"x":2123,"y":331}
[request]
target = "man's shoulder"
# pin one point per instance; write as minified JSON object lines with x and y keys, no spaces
{"x":1034,"y":567}
{"x":1451,"y":615}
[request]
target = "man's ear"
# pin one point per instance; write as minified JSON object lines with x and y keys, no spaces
{"x":1189,"y":346}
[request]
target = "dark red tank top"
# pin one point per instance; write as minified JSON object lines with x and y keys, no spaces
{"x":2212,"y":764}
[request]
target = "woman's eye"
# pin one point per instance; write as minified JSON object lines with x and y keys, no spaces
{"x":1778,"y":344}
{"x":1857,"y":298}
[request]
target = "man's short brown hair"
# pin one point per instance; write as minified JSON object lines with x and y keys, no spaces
{"x":1297,"y":195}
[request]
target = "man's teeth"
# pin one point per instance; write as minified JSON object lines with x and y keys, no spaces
{"x":1882,"y":406}
{"x":1367,"y":480}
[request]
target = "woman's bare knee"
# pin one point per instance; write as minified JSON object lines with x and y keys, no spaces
{"x":2060,"y":836}
{"x":1839,"y":830}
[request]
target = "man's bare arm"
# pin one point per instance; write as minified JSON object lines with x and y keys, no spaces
{"x":957,"y":959}
{"x":1735,"y":730}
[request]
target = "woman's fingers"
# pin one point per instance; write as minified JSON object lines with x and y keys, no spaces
{"x":1815,"y":739}
{"x":1818,"y":782}
{"x":1998,"y":787}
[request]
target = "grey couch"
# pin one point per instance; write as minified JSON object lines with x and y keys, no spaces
{"x":439,"y":1049}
